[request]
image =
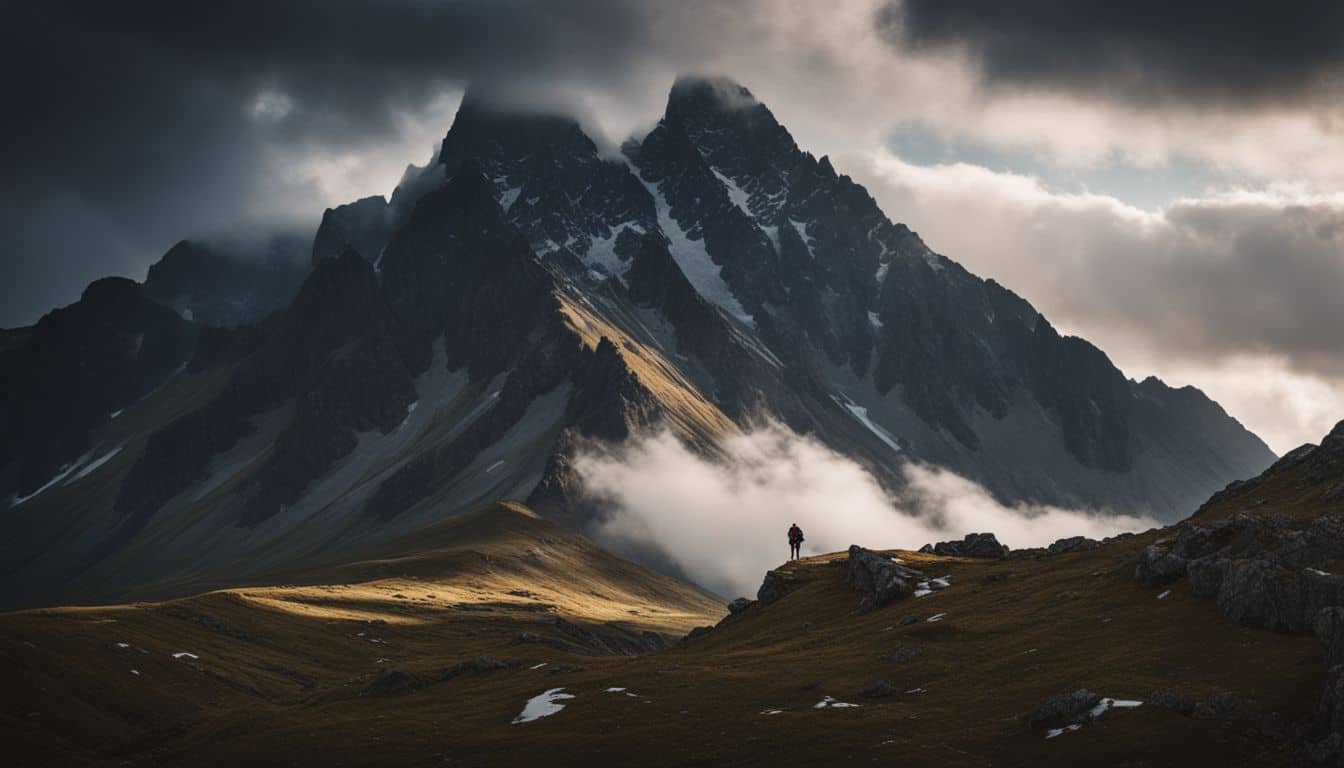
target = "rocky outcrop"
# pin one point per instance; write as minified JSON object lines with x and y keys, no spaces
{"x":1260,"y":572}
{"x":1066,"y":707}
{"x":1072,"y":544}
{"x":774,"y":586}
{"x":878,"y":689}
{"x":392,"y":682}
{"x":981,"y":545}
{"x":1158,"y":567}
{"x":879,"y":579}
{"x":739,"y":605}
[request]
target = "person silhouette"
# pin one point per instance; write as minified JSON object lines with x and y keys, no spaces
{"x":795,"y":541}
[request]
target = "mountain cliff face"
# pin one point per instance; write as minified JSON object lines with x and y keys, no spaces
{"x":76,"y":370}
{"x":228,"y":284}
{"x":526,"y":293}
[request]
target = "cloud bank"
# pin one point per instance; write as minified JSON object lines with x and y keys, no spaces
{"x":1235,"y":291}
{"x":723,"y":521}
{"x":1147,"y":50}
{"x":141,"y":123}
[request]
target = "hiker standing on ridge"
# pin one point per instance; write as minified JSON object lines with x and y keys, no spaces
{"x":795,"y":541}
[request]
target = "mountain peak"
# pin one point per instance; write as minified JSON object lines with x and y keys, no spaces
{"x":718,"y":90}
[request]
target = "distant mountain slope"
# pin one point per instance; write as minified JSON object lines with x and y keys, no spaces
{"x":229,"y":284}
{"x":529,"y":293}
{"x":76,"y":370}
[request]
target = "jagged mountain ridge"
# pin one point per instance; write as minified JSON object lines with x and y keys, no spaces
{"x":747,"y":212}
{"x":525,"y":293}
{"x":229,"y":284}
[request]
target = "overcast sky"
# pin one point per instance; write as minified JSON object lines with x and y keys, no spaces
{"x":1161,"y":178}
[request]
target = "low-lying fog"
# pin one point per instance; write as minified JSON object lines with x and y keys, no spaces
{"x":723,"y":523}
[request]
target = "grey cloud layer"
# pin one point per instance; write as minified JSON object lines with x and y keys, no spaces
{"x":1237,"y":293}
{"x":1240,"y":51}
{"x":133,"y":126}
{"x":1204,"y":279}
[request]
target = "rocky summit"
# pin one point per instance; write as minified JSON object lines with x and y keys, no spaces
{"x":526,"y":293}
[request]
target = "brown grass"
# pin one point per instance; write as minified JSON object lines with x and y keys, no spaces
{"x":280,"y":668}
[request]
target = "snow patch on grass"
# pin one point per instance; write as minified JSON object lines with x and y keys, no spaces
{"x":830,"y":702}
{"x":542,"y":705}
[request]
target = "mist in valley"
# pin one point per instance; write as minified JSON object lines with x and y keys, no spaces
{"x":722,"y":520}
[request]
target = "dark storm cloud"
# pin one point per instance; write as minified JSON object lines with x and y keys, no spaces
{"x":1144,"y":50}
{"x":131,"y":125}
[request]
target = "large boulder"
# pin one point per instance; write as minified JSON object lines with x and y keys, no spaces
{"x":392,"y":682}
{"x":1072,"y":544}
{"x":1158,"y":567}
{"x":1205,"y":576}
{"x":1068,"y":707}
{"x":1262,"y":593}
{"x":1258,"y":593}
{"x":774,"y":586}
{"x":983,"y":545}
{"x":740,"y":604}
{"x":879,"y":579}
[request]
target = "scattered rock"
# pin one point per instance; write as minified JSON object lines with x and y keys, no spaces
{"x":1072,"y":544}
{"x":740,"y":604}
{"x":486,"y":663}
{"x":1158,"y":567}
{"x":1225,"y":703}
{"x":908,"y":620}
{"x":1334,"y":493}
{"x":480,"y":664}
{"x":1202,"y":711}
{"x":392,"y":682}
{"x":1170,"y":700}
{"x":984,"y":545}
{"x":1065,"y":707}
{"x":879,"y":579}
{"x":901,"y":654}
{"x":877,"y":689}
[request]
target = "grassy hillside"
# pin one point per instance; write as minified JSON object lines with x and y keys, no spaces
{"x":289,"y":675}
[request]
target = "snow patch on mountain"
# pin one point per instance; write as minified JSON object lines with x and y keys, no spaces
{"x":93,"y":466}
{"x":602,"y":252}
{"x":861,"y":414}
{"x":736,"y":194}
{"x":705,"y":276}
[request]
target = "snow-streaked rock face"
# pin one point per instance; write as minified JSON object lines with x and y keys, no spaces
{"x":525,"y":292}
